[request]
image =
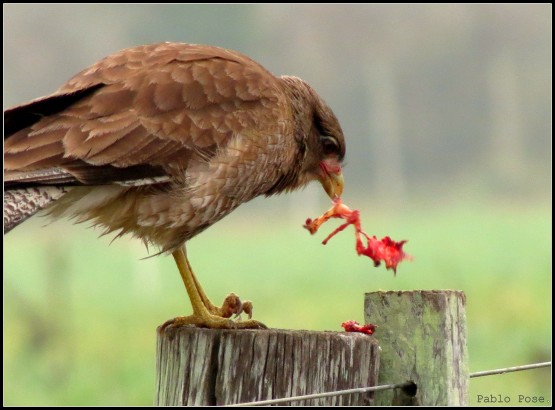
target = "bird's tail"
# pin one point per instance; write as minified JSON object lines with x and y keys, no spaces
{"x":22,"y":203}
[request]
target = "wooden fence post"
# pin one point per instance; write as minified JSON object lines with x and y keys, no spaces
{"x":422,"y":335}
{"x":215,"y":367}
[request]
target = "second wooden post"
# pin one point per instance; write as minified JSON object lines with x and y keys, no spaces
{"x":422,"y":335}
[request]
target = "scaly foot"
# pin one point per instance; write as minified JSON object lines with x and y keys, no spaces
{"x":212,"y":322}
{"x":205,"y":314}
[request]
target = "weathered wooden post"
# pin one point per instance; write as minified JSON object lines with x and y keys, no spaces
{"x":216,"y":367}
{"x":422,"y":335}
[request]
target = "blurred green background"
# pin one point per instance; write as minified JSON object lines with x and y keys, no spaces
{"x":447,"y":114}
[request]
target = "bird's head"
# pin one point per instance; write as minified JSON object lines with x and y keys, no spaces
{"x":319,"y":137}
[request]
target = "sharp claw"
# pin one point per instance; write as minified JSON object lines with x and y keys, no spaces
{"x":232,"y":305}
{"x":247,"y":308}
{"x":165,"y":325}
{"x":239,"y":308}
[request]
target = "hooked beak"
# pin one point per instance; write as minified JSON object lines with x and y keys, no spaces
{"x":331,"y":178}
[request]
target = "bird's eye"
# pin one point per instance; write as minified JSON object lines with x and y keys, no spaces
{"x":329,"y":144}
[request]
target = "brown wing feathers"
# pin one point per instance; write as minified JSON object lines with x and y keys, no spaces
{"x":22,"y":116}
{"x":149,"y":108}
{"x":206,"y":128}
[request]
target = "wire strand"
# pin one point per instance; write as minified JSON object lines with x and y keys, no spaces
{"x":510,"y":369}
{"x":384,"y":387}
{"x":328,"y":394}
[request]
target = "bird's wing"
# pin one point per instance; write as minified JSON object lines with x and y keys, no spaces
{"x":141,"y":114}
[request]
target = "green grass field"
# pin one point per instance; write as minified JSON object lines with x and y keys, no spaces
{"x":80,"y":316}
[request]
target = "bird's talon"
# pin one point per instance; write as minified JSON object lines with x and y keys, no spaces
{"x":231,"y":305}
{"x":247,"y":308}
{"x":210,"y":321}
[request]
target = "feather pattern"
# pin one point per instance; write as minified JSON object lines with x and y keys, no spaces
{"x":166,"y":139}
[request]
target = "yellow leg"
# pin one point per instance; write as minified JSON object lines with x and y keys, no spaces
{"x":232,"y":304}
{"x":202,"y":316}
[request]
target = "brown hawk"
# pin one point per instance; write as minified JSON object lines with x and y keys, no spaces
{"x":161,"y":141}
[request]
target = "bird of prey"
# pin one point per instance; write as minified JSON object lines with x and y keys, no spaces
{"x":161,"y":141}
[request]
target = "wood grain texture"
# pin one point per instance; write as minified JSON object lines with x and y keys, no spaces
{"x":217,"y":367}
{"x":422,"y":335}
